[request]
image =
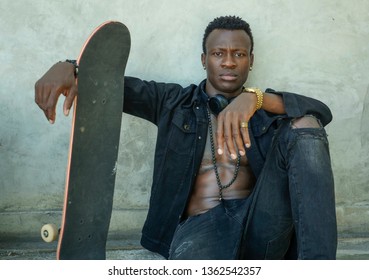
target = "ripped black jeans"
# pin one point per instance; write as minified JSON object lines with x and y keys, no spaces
{"x":213,"y":235}
{"x":290,"y":214}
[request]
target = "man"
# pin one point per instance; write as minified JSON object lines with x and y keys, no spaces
{"x":239,"y":173}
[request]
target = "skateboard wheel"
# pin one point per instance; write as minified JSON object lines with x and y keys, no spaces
{"x":49,"y":232}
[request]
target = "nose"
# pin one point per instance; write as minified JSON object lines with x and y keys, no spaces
{"x":229,"y":61}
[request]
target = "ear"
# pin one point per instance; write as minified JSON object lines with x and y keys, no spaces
{"x":251,"y":59}
{"x":203,"y":59}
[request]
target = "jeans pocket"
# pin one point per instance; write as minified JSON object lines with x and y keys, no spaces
{"x":278,"y":247}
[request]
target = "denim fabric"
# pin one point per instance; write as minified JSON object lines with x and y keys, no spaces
{"x":293,"y":202}
{"x":213,"y":235}
{"x":294,"y":195}
{"x":180,"y":116}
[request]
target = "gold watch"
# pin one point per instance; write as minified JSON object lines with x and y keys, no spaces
{"x":259,"y":96}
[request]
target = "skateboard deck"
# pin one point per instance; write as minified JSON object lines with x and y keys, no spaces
{"x":94,"y":143}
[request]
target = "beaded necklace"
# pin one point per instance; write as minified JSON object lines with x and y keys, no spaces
{"x":237,"y":165}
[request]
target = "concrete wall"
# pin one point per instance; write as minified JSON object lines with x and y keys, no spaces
{"x":317,"y":48}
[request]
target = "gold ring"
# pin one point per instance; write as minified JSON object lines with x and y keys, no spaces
{"x":244,"y":125}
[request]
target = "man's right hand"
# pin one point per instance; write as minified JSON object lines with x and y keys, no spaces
{"x":59,"y":79}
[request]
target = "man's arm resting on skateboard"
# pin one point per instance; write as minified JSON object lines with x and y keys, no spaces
{"x":59,"y":79}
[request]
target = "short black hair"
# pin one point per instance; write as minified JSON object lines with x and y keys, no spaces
{"x":228,"y":23}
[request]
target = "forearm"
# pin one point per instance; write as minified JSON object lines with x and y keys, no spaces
{"x":269,"y":102}
{"x":273,"y":103}
{"x":291,"y":104}
{"x":296,"y":105}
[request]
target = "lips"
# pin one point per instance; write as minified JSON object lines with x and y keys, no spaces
{"x":228,"y":76}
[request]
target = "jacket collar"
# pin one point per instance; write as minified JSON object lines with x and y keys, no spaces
{"x":199,"y":96}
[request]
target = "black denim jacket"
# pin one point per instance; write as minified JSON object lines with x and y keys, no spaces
{"x":181,"y":118}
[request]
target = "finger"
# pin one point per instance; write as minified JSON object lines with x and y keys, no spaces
{"x":230,"y":134}
{"x":41,"y":98}
{"x":51,"y":114}
{"x":68,"y":102}
{"x":46,"y":115}
{"x":220,"y":134}
{"x":237,"y":137}
{"x":246,"y":137}
{"x":51,"y":105}
{"x":38,"y":95}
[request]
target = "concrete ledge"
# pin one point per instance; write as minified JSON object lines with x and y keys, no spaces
{"x":353,"y":249}
{"x":129,"y":248}
{"x":126,"y":248}
{"x":14,"y":225}
{"x":353,"y":220}
{"x":20,"y":234}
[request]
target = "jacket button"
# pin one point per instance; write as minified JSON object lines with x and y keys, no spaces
{"x":186,"y":127}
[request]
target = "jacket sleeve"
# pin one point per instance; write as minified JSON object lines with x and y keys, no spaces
{"x":148,"y":100}
{"x":298,"y":105}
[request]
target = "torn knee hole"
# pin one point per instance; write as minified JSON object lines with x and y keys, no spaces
{"x":307,"y":121}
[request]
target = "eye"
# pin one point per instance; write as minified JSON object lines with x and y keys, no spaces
{"x":217,"y":54}
{"x":239,"y":54}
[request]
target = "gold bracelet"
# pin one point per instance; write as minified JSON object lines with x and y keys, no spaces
{"x":259,"y":96}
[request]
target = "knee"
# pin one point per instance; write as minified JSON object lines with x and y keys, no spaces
{"x":307,"y":121}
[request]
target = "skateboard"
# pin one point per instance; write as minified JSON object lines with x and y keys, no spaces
{"x":94,"y":142}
